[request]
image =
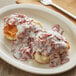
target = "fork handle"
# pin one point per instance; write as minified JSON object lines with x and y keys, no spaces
{"x":62,"y":9}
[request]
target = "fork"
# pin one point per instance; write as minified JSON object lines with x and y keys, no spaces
{"x":50,"y":2}
{"x":47,"y":2}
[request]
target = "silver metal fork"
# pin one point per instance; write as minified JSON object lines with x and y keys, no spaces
{"x":47,"y":2}
{"x":50,"y":2}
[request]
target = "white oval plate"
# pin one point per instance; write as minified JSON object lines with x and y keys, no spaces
{"x":47,"y":18}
